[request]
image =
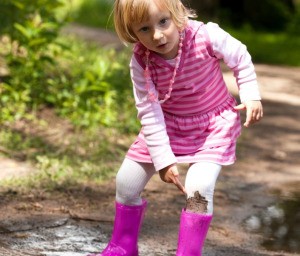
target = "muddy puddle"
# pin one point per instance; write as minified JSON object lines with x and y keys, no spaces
{"x":279,"y":223}
{"x":68,"y":238}
{"x":58,"y":237}
{"x":40,"y":235}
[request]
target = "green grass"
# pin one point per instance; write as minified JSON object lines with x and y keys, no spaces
{"x":75,"y":158}
{"x":92,"y":149}
{"x":94,"y":13}
{"x":271,"y":48}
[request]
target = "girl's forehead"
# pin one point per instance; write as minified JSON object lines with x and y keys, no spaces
{"x":146,"y":4}
{"x":141,"y":9}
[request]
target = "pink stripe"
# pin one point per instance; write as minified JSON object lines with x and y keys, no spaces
{"x":216,"y":155}
{"x":179,"y":109}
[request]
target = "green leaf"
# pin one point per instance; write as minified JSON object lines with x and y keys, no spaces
{"x":24,"y":31}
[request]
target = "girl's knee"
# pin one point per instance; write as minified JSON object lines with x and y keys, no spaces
{"x":130,"y":182}
{"x":200,"y":184}
{"x":126,"y":192}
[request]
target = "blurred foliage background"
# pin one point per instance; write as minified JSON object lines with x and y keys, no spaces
{"x":89,"y":86}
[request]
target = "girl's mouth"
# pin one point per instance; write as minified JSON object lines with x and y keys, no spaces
{"x":162,"y":45}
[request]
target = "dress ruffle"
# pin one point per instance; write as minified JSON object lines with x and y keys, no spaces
{"x":209,"y":137}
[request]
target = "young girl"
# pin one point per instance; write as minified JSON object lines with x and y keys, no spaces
{"x":186,"y":112}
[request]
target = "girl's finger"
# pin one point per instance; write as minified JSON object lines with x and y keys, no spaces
{"x":248,"y":120}
{"x":259,"y":115}
{"x":240,"y":107}
{"x":179,"y":185}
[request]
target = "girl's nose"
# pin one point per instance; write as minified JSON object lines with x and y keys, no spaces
{"x":157,"y":35}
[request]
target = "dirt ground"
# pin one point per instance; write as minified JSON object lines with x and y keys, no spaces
{"x":266,"y":171}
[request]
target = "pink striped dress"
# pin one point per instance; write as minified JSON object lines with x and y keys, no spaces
{"x":198,"y":122}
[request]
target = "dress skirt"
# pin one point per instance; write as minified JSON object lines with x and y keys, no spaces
{"x":205,"y":137}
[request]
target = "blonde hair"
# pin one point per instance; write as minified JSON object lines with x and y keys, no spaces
{"x":127,"y":12}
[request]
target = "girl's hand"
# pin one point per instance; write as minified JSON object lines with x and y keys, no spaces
{"x":254,"y":111}
{"x":170,"y":174}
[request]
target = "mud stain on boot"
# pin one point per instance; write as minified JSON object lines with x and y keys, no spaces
{"x":196,"y":204}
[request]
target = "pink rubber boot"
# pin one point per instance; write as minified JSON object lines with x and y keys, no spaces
{"x":192,"y":233}
{"x":127,"y":225}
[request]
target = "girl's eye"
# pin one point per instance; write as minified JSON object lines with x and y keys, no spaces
{"x":164,"y":21}
{"x":144,"y":29}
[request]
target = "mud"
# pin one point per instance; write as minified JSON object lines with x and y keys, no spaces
{"x":196,"y":204}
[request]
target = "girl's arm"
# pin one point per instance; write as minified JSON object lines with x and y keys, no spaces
{"x":154,"y":128}
{"x":152,"y":120}
{"x":238,"y":59}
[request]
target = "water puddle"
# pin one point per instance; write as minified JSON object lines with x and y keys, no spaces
{"x":75,"y":238}
{"x":58,"y":237}
{"x":279,"y":224}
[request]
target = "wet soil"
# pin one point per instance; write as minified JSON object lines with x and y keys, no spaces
{"x":196,"y":203}
{"x":266,"y":174}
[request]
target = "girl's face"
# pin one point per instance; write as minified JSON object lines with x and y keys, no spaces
{"x":159,"y":33}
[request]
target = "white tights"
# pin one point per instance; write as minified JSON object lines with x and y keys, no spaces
{"x":133,"y":176}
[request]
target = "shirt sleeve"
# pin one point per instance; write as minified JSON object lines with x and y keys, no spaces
{"x":152,"y":120}
{"x":237,"y":58}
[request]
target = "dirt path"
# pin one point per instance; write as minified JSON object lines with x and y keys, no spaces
{"x":267,"y":171}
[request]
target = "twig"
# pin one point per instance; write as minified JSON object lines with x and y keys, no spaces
{"x":76,"y":216}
